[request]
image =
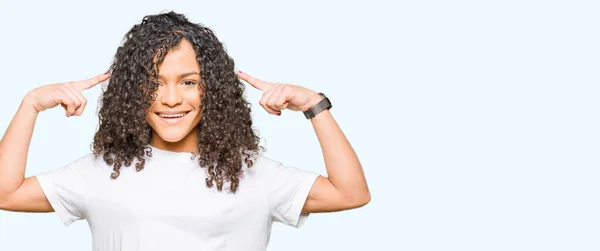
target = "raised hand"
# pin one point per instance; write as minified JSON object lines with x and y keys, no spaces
{"x":68,"y":95}
{"x":277,"y":97}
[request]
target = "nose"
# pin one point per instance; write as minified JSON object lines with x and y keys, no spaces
{"x":171,"y":95}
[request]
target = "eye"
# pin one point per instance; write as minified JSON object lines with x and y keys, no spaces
{"x":189,"y":82}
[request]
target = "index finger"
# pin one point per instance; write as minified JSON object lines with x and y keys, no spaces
{"x":255,"y":82}
{"x":89,"y":83}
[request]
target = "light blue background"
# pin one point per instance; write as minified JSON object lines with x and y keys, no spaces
{"x":476,"y":121}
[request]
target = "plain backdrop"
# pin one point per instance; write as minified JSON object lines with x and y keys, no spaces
{"x":476,"y":121}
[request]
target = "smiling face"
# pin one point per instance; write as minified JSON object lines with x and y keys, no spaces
{"x":175,"y":112}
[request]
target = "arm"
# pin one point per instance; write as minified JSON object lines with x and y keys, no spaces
{"x":18,"y":193}
{"x":345,"y":186}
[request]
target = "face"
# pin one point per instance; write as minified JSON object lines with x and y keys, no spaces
{"x":175,"y":112}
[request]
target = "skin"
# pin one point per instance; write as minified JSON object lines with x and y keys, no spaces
{"x":343,"y":188}
{"x":178,"y":91}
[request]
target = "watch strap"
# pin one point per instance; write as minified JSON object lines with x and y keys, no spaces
{"x":323,"y":105}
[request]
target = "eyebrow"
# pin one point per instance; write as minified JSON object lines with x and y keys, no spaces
{"x":183,"y":75}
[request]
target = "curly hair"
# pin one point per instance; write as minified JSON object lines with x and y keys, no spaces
{"x":225,"y":133}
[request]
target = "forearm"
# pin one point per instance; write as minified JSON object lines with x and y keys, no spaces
{"x":14,"y":148}
{"x":343,"y":166}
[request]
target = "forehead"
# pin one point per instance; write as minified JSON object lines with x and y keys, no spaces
{"x":181,"y":58}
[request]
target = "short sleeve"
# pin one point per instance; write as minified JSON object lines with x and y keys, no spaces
{"x":287,"y":190}
{"x":65,"y":189}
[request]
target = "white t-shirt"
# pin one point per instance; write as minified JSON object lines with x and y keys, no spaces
{"x":167,"y":205}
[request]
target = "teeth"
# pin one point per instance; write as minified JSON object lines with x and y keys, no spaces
{"x":179,"y":115}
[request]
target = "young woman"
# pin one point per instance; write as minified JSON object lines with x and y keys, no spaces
{"x":176,"y":164}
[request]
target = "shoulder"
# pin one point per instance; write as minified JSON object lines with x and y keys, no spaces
{"x":75,"y":173}
{"x":262,"y":166}
{"x":88,"y":164}
{"x":86,"y":161}
{"x":263,"y":163}
{"x":269,"y":168}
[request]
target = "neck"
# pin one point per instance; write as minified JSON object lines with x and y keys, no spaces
{"x":187,"y":144}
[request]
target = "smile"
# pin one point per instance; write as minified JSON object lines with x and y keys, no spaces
{"x":172,"y":117}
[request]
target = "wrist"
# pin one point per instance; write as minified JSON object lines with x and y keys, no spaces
{"x":28,"y":105}
{"x":321,"y":103}
{"x":314,"y":99}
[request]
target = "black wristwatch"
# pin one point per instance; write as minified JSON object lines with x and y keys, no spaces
{"x":323,"y":105}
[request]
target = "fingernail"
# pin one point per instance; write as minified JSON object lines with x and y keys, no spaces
{"x":240,"y":71}
{"x":278,"y":114}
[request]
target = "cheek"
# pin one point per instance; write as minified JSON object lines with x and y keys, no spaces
{"x":149,"y":112}
{"x":193,"y":99}
{"x":196,"y":104}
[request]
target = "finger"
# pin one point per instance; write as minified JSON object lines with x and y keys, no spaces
{"x":284,"y":97}
{"x":79,"y":97}
{"x":89,"y":83}
{"x":255,"y":82}
{"x":277,"y":98}
{"x":70,"y":100}
{"x":263,"y":102}
{"x":68,"y":104}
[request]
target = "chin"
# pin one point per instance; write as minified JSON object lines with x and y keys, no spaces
{"x":172,"y":138}
{"x":173,"y":135}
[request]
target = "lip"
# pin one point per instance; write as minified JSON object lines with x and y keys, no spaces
{"x":172,"y":120}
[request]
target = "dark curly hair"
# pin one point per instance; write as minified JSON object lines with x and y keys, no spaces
{"x":225,"y":133}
